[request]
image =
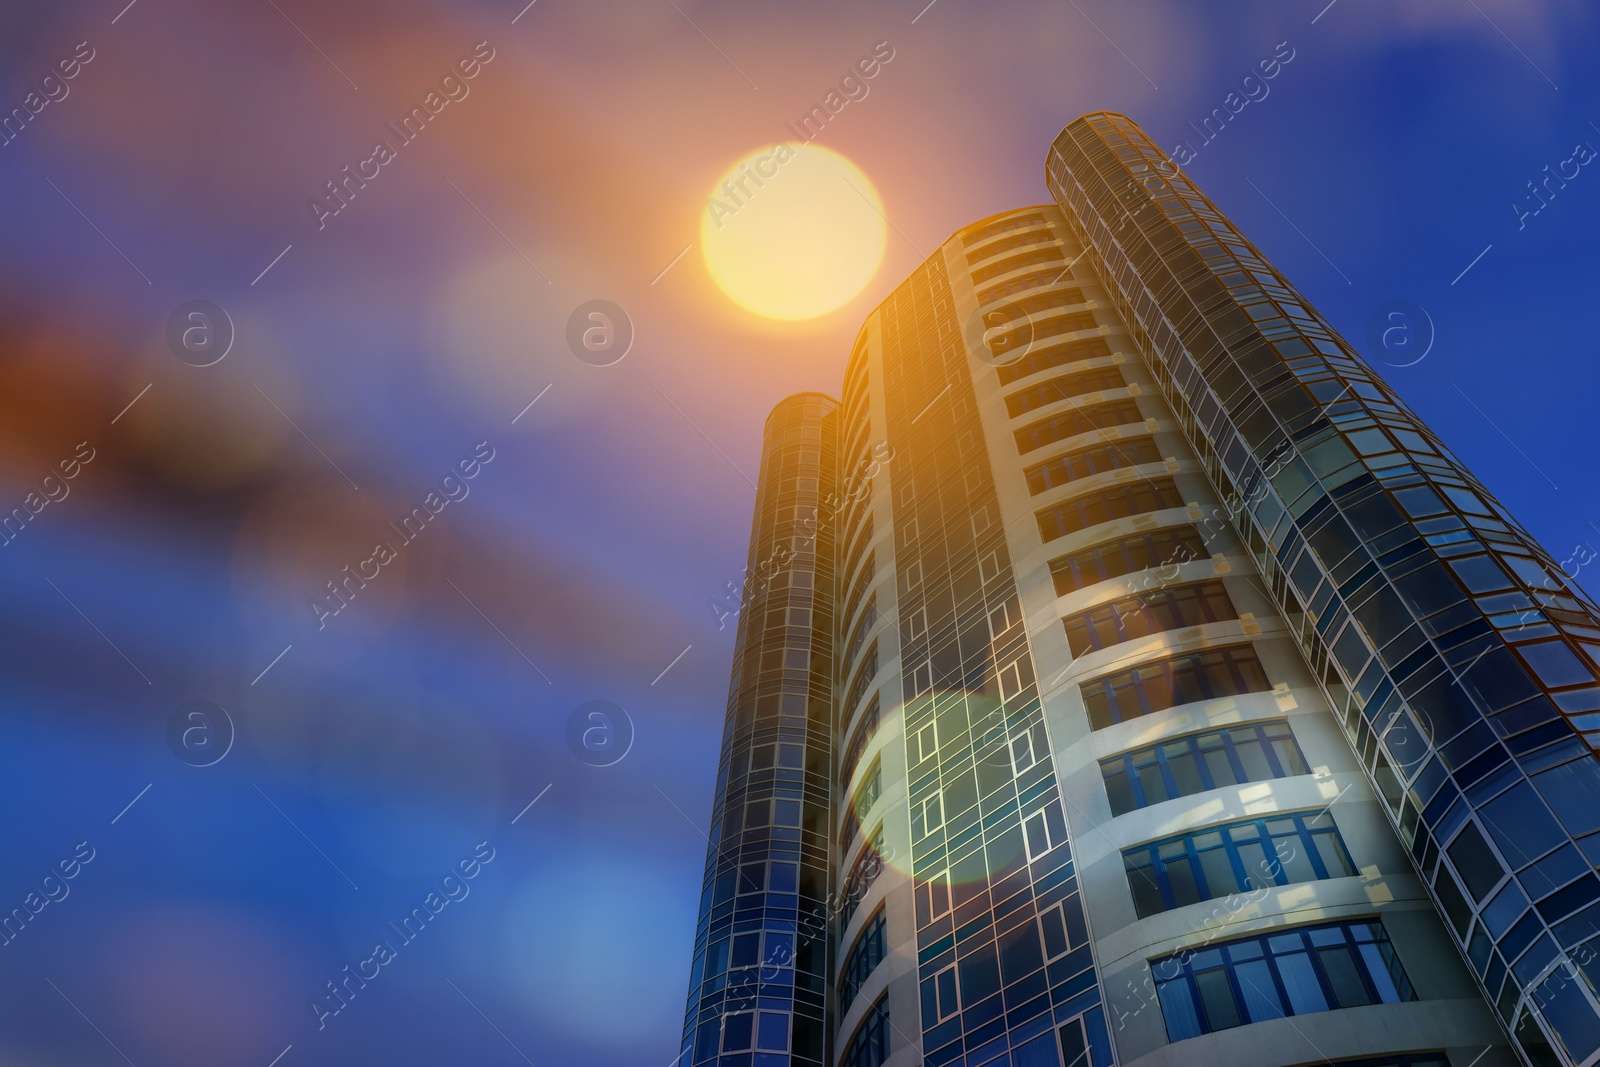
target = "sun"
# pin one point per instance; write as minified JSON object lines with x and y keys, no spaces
{"x":793,"y":232}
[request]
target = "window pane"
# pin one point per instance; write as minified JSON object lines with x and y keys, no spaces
{"x":1184,"y":771}
{"x":1296,"y":863}
{"x":1178,"y":1008}
{"x":774,"y":1032}
{"x":1289,"y":757}
{"x":1333,"y":856}
{"x":1259,"y":991}
{"x":1217,"y":999}
{"x":1120,"y":791}
{"x":736,"y":1031}
{"x":1147,"y":899}
{"x":1055,"y":933}
{"x":1221,"y":768}
{"x":1254,"y":761}
{"x":1180,"y":877}
{"x":1098,"y":706}
{"x":1218,"y":870}
{"x":1188,"y":687}
{"x":945,"y":988}
{"x":1160,"y":691}
{"x":1253,"y":858}
{"x":1300,"y":981}
{"x":1344,"y":977}
{"x":1155,"y":787}
{"x":1378,"y":971}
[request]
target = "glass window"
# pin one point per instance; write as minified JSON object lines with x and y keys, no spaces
{"x":1234,"y":858}
{"x":737,"y":1029}
{"x":864,"y":957}
{"x":869,"y":1045}
{"x":1097,"y":459}
{"x":1295,"y":973}
{"x":1055,"y":932}
{"x":1148,"y":613}
{"x":1049,"y":254}
{"x":1076,"y":421}
{"x":859,"y":740}
{"x":1117,"y":502}
{"x":1176,"y":680}
{"x":1167,"y":549}
{"x":865,"y":871}
{"x":946,"y":994}
{"x":866,"y":795}
{"x":774,"y":1031}
{"x":1063,"y":387}
{"x":1043,"y":358}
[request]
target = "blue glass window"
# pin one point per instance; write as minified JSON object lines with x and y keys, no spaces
{"x":869,"y":1045}
{"x":859,"y":740}
{"x":863,"y":873}
{"x":1063,"y":387}
{"x":864,"y":675}
{"x":1163,"y":548}
{"x":1097,"y":459}
{"x":1077,"y":421}
{"x":866,"y":795}
{"x":1297,"y":972}
{"x":869,"y":619}
{"x":1169,"y":682}
{"x":1234,"y":858}
{"x":1188,"y":765}
{"x":1118,"y":502}
{"x":1039,"y":359}
{"x":864,"y":956}
{"x":1150,"y":612}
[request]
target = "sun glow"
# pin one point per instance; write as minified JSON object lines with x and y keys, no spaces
{"x":793,"y":232}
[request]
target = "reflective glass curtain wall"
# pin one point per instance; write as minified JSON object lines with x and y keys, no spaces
{"x":990,"y":859}
{"x":1461,"y":659}
{"x":758,"y":993}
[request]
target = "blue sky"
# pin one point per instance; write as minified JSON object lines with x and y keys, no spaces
{"x":374,"y":353}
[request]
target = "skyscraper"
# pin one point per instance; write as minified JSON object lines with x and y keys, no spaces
{"x":1124,"y":674}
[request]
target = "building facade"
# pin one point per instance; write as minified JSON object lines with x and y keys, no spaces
{"x":1125,"y":675}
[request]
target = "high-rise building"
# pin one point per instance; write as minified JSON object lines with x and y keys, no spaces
{"x":1126,"y":675}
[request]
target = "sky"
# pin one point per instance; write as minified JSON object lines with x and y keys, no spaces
{"x":415,"y":342}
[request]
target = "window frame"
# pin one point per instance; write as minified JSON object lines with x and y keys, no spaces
{"x":1219,"y":956}
{"x":1130,"y":764}
{"x":1115,"y":622}
{"x":1150,"y":859}
{"x":1198,"y":671}
{"x":1073,"y":570}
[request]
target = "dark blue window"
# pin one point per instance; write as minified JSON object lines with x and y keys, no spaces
{"x":863,"y":873}
{"x":1064,"y":387}
{"x":1169,"y":682}
{"x":1164,"y":548}
{"x":1151,"y":612}
{"x":869,"y":1045}
{"x":864,"y":957}
{"x":1234,"y":858}
{"x":866,"y":795}
{"x":1253,"y":979}
{"x":1096,"y":459}
{"x":1194,"y":764}
{"x":858,"y":741}
{"x":864,"y":675}
{"x":1117,"y":502}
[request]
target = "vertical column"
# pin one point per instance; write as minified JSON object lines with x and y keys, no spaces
{"x":757,"y":987}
